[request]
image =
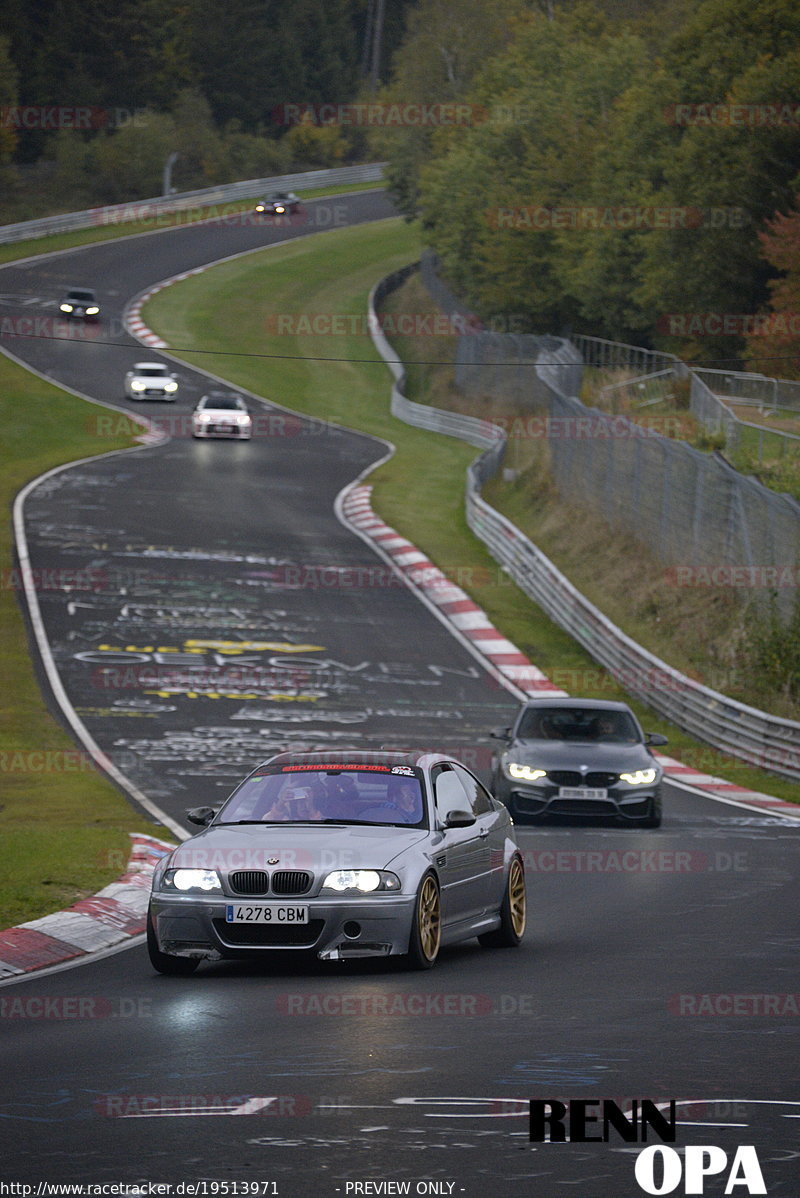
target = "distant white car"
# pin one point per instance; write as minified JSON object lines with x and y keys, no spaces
{"x":222,"y":414}
{"x":151,"y":380}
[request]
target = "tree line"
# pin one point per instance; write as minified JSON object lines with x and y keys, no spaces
{"x":210,"y":81}
{"x":636,"y":179}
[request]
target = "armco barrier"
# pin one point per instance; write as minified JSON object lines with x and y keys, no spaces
{"x":753,"y":736}
{"x":122,"y":214}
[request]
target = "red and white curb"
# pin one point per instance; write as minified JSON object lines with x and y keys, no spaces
{"x":472,"y":623}
{"x":132,"y":318}
{"x":111,"y":916}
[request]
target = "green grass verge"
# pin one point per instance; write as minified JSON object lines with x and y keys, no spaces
{"x":421,"y":490}
{"x":111,"y":232}
{"x":64,"y":828}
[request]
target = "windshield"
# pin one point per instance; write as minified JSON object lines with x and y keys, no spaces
{"x":80,"y":295}
{"x":336,"y":793}
{"x":151,"y":372}
{"x":224,"y":402}
{"x":578,"y":724}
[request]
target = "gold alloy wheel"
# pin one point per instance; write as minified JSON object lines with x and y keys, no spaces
{"x":429,"y":919}
{"x":516,"y":897}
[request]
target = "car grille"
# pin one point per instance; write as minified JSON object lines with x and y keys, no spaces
{"x":582,"y":807}
{"x":243,"y":935}
{"x":291,"y":881}
{"x":249,"y":881}
{"x":574,"y":778}
{"x":256,"y":881}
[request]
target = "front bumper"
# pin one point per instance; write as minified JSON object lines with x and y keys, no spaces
{"x":542,"y":802}
{"x":154,"y":393}
{"x":195,"y":926}
{"x":206,"y":431}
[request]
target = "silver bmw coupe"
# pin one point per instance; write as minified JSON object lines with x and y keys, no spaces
{"x":341,"y":854}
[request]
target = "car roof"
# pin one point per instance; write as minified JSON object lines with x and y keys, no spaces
{"x":572,"y":702}
{"x":366,"y":757}
{"x":149,"y":365}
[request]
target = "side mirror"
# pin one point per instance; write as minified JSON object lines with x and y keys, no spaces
{"x":655,"y":738}
{"x":201,"y":815}
{"x":459,"y":819}
{"x":500,"y":734}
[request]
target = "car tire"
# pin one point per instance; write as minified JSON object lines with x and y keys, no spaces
{"x":426,"y":927}
{"x":174,"y":967}
{"x":513,"y":911}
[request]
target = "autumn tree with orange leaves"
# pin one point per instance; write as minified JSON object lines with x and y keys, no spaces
{"x":776,"y":349}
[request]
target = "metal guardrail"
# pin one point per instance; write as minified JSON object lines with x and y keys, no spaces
{"x":121,"y":214}
{"x":480,"y":433}
{"x":754,"y":736}
{"x":742,"y":386}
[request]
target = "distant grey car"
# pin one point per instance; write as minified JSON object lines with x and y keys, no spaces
{"x":279,"y":203}
{"x":341,"y":854}
{"x":151,"y":380}
{"x":585,"y":757}
{"x":81,"y":304}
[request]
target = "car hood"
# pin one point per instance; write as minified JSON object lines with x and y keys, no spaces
{"x":296,"y":846}
{"x":572,"y":755}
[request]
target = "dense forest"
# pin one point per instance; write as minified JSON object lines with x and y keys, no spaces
{"x":635,"y":176}
{"x":205,"y":80}
{"x":629,"y":168}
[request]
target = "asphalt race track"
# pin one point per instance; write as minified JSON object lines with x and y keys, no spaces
{"x":219,"y":611}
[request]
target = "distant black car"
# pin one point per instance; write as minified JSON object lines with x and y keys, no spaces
{"x":586,"y":757}
{"x":279,"y":203}
{"x":80,"y":304}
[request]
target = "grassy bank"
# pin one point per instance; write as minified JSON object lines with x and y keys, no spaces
{"x":231,"y":312}
{"x":64,"y":828}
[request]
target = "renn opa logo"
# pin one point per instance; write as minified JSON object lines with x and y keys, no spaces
{"x":659,"y":1169}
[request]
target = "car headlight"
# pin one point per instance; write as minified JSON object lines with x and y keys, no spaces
{"x":201,"y":417}
{"x":279,"y":208}
{"x":191,"y":880}
{"x":523,"y":773}
{"x":171,"y":385}
{"x":66,"y":307}
{"x":137,"y":386}
{"x":640,"y":777}
{"x":243,"y":419}
{"x":361,"y":881}
{"x":259,"y":207}
{"x":93,"y":311}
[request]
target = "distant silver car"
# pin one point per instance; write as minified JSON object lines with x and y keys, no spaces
{"x":222,"y":414}
{"x":151,"y":380}
{"x":585,"y":757}
{"x":342,"y":854}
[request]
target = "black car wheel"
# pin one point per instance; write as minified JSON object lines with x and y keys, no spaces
{"x":175,"y":967}
{"x":426,"y":929}
{"x":513,"y":912}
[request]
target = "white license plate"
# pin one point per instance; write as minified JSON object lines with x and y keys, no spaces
{"x":277,"y":913}
{"x":583,"y":792}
